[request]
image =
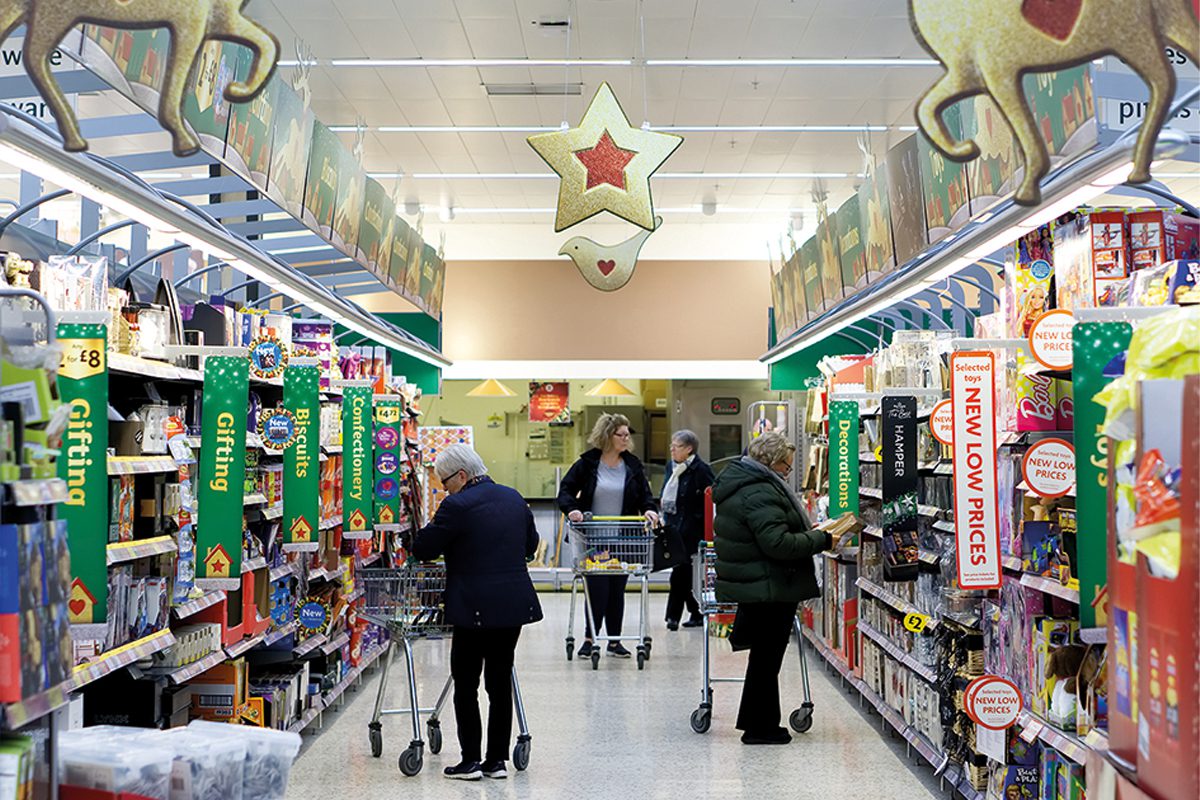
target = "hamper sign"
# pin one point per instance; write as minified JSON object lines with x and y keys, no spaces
{"x":222,"y":471}
{"x":301,"y":461}
{"x":356,"y":450}
{"x":843,"y":467}
{"x":83,"y":464}
{"x":973,"y":397}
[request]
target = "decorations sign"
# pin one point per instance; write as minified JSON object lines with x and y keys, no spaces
{"x":1050,"y":339}
{"x":992,"y":702}
{"x":843,"y":463}
{"x":1049,"y":468}
{"x":973,"y":397}
{"x":268,"y":357}
{"x":222,"y":471}
{"x":83,"y":464}
{"x":549,"y":402}
{"x":901,"y":554}
{"x":277,"y":427}
{"x":941,"y":422}
{"x":356,"y":452}
{"x":963,"y":37}
{"x":1093,"y":346}
{"x":389,"y":414}
{"x":302,"y":461}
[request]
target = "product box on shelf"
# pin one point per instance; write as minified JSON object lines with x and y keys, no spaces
{"x":34,"y":590}
{"x":220,"y":692}
{"x":1158,"y":235}
{"x":1091,"y":258}
{"x":1168,"y":283}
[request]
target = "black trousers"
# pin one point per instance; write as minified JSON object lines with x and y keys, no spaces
{"x":607,"y":593}
{"x":681,"y":592}
{"x":488,"y":651}
{"x":765,"y":627}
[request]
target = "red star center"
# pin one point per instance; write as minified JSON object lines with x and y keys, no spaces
{"x":605,"y":163}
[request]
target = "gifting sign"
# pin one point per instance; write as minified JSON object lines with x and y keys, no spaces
{"x":941,"y":422}
{"x":1050,"y":339}
{"x":356,"y":453}
{"x":992,"y":702}
{"x":549,"y":402}
{"x":222,"y":471}
{"x":1049,"y":468}
{"x":973,"y":398}
{"x":389,"y":414}
{"x":302,"y":461}
{"x":83,"y":464}
{"x":1094,"y":345}
{"x":843,"y":463}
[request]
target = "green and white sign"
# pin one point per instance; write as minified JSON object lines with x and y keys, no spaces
{"x":357,"y":500}
{"x":1093,"y":345}
{"x":389,"y":416}
{"x":843,"y":457}
{"x":83,"y":464}
{"x":222,"y":475}
{"x":302,"y":461}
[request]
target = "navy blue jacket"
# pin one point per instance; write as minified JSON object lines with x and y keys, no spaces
{"x":578,"y":487}
{"x":486,"y":534}
{"x":688,"y":518}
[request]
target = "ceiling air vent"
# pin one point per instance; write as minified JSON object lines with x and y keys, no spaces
{"x":531,"y":89}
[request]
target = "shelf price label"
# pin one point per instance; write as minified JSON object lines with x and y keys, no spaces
{"x":83,"y":464}
{"x":973,"y":401}
{"x":302,"y":461}
{"x":915,"y":622}
{"x":843,"y":463}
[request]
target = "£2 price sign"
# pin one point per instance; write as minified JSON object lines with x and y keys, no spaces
{"x":973,"y":399}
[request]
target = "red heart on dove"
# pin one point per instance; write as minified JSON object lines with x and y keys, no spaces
{"x":1055,"y":18}
{"x":77,"y":607}
{"x":606,"y":267}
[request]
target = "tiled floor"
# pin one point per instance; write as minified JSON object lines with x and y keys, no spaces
{"x":617,"y":733}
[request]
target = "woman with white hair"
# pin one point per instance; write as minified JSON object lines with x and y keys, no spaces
{"x":486,"y":533}
{"x":683,"y":512}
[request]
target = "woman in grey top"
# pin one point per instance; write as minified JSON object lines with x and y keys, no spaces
{"x":607,"y":481}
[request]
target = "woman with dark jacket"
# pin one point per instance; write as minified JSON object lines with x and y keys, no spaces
{"x":765,"y":548}
{"x":683,"y":511}
{"x":607,"y":481}
{"x":486,"y":534}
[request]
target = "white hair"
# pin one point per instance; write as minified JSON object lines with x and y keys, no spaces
{"x":459,"y":457}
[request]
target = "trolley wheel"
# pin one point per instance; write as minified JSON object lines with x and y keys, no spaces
{"x":641,"y":658}
{"x":595,"y":658}
{"x":411,"y":760}
{"x":801,"y":719}
{"x":702,"y":719}
{"x":434,"y":729}
{"x":647,"y":645}
{"x":375,"y":734}
{"x":521,"y":754}
{"x":570,"y":649}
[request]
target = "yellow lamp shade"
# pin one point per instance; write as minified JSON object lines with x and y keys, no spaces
{"x":610,"y":388}
{"x":491,"y":388}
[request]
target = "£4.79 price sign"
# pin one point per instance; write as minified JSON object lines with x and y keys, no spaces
{"x":973,"y":398}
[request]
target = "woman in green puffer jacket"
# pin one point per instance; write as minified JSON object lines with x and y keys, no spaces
{"x":765,"y":547}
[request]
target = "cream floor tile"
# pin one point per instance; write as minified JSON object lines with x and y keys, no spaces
{"x":616,"y":733}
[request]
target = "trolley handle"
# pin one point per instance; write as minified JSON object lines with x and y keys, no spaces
{"x":587,"y":517}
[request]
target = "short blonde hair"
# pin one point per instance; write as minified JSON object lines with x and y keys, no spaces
{"x":607,"y":427}
{"x":771,"y":448}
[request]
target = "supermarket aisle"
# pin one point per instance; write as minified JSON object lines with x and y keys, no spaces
{"x":606,"y":734}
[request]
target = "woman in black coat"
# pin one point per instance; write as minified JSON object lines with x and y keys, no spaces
{"x":683,"y":512}
{"x":486,"y":534}
{"x":607,"y":481}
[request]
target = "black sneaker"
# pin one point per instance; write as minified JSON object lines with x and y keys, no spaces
{"x":585,"y":651}
{"x":495,"y":769}
{"x":694,"y":622}
{"x":466,"y":771}
{"x":777,"y":736}
{"x":672,"y":624}
{"x":617,"y":650}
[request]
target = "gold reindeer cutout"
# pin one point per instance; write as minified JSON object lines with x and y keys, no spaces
{"x":987,"y":46}
{"x":190,"y":22}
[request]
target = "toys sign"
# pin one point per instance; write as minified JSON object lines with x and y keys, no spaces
{"x":992,"y":702}
{"x":973,"y":400}
{"x":1050,"y":339}
{"x":1049,"y":468}
{"x":941,"y":422}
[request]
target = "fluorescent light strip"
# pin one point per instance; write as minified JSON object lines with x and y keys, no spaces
{"x":681,"y":210}
{"x":480,"y":62}
{"x":792,"y":62}
{"x":449,"y":176}
{"x":667,"y":128}
{"x":620,"y":62}
{"x":583,"y":369}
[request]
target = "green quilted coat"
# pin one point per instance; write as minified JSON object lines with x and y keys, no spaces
{"x":765,"y":545}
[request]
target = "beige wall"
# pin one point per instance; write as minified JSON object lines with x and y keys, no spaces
{"x":544,"y":310}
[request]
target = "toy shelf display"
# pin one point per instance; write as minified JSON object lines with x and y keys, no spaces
{"x":153,"y":570}
{"x":1053,"y":547}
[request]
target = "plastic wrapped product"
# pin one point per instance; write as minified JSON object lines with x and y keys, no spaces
{"x":95,"y":762}
{"x":269,"y":757}
{"x":208,"y":765}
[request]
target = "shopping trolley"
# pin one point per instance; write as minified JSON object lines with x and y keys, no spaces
{"x":704,"y":587}
{"x":408,"y":601}
{"x":611,"y":546}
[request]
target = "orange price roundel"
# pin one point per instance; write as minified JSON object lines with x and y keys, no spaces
{"x":993,"y":702}
{"x":941,"y":422}
{"x":1050,"y":339}
{"x":1049,"y":468}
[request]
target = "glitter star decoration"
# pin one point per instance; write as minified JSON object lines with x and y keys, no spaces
{"x":605,"y":164}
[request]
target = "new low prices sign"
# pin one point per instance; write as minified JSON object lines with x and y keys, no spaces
{"x":973,"y":401}
{"x":992,"y":702}
{"x":1049,"y":468}
{"x":1050,"y":339}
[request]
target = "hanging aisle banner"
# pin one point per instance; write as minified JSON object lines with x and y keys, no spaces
{"x":901,"y":553}
{"x":302,"y":461}
{"x":356,"y":459}
{"x":843,"y":463}
{"x":219,"y":497}
{"x":1093,"y":345}
{"x":389,"y":413}
{"x":83,"y":463}
{"x":973,"y":402}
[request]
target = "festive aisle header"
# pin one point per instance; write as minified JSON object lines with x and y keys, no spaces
{"x":918,"y":197}
{"x":277,"y":144}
